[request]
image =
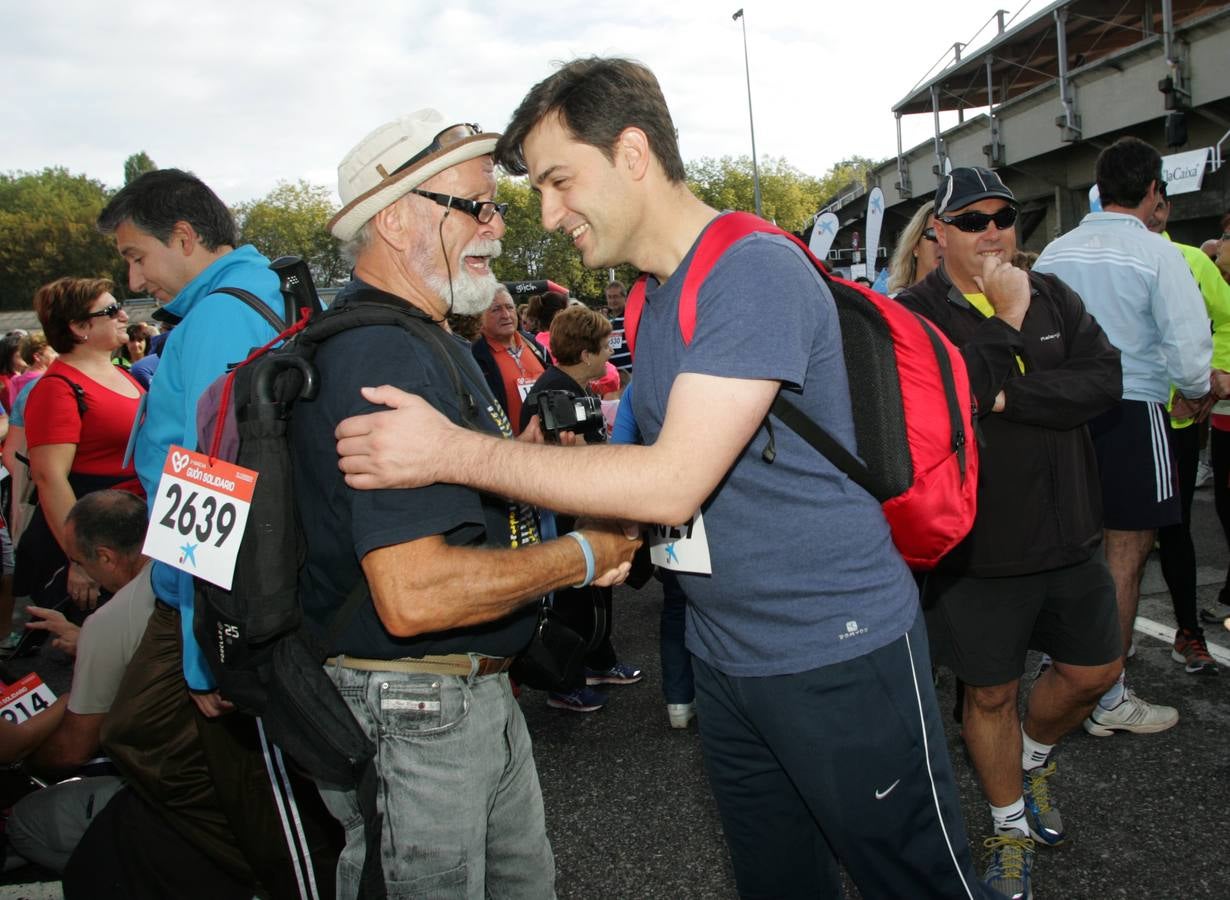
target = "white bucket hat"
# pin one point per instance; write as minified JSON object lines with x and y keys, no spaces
{"x":397,"y":157}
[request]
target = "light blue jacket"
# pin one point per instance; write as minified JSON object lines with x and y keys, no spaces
{"x":216,"y":330}
{"x":1139,"y":288}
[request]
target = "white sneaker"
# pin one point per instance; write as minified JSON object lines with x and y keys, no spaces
{"x":1132,"y":714}
{"x":1204,"y":474}
{"x":680,"y":714}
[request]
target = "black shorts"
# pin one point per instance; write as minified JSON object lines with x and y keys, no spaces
{"x":981,"y":628}
{"x":1140,"y":487}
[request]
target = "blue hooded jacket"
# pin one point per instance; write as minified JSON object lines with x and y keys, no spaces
{"x":215,"y":330}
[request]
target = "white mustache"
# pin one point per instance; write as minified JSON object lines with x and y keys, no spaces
{"x":489,"y":248}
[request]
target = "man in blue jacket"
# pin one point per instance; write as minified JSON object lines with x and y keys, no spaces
{"x":179,"y":241}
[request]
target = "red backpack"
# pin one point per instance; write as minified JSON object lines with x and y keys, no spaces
{"x":915,"y":434}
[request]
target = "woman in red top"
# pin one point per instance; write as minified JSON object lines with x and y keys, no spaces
{"x":78,"y":419}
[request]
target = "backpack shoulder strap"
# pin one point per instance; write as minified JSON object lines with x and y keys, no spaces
{"x":78,"y":391}
{"x":721,"y":233}
{"x":633,"y":307}
{"x":718,"y":238}
{"x":375,"y":310}
{"x":824,"y":443}
{"x":259,"y":305}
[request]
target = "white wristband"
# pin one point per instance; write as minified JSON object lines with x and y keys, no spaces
{"x":583,"y":543}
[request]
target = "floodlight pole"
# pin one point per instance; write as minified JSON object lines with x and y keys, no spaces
{"x":738,"y":16}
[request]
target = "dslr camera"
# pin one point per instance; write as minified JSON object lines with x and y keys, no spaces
{"x":559,"y":411}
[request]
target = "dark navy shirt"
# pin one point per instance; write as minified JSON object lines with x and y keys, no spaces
{"x":342,"y":524}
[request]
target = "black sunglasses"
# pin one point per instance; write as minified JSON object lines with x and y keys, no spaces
{"x":483,"y":210}
{"x":454,"y":134}
{"x":111,"y":310}
{"x":929,"y":234}
{"x":974,"y":222}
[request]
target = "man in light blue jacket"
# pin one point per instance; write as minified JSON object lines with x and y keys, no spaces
{"x":1139,"y":288}
{"x":179,"y":241}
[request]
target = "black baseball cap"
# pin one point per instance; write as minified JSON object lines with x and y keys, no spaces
{"x":966,"y":185}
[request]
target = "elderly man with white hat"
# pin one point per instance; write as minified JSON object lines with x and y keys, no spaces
{"x":452,"y":574}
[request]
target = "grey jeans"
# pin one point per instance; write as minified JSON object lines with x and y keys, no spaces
{"x":459,"y":793}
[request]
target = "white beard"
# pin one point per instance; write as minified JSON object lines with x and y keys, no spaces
{"x":467,"y":294}
{"x":470,"y":294}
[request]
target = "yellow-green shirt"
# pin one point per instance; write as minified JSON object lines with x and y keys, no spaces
{"x":983,"y":305}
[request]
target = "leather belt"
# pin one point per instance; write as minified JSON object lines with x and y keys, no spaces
{"x":463,"y":664}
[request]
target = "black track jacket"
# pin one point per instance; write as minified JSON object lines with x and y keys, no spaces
{"x":1039,"y":500}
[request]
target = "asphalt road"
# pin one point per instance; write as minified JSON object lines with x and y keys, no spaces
{"x":630,"y":814}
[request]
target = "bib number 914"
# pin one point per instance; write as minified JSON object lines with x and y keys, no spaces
{"x":24,"y":699}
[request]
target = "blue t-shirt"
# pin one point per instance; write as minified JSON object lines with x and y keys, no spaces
{"x":805,"y":573}
{"x":18,"y":416}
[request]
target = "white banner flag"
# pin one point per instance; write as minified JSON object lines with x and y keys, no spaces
{"x":875,"y":218}
{"x":822,"y":235}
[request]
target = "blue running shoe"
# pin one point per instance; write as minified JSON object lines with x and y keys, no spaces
{"x":620,"y":673}
{"x":1045,"y":825}
{"x":582,"y":700}
{"x":1011,"y":860}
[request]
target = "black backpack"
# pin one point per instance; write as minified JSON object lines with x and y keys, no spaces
{"x":253,"y":636}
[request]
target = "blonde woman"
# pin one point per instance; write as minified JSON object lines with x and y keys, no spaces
{"x":917,"y":253}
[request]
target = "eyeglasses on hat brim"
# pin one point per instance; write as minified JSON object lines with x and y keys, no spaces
{"x":454,"y":134}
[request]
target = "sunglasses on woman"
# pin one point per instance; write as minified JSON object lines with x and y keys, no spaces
{"x":111,"y":310}
{"x":974,"y":222}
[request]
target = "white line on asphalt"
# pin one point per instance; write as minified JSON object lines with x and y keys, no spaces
{"x":1166,"y":633}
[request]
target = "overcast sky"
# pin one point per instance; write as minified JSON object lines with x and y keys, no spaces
{"x":247,"y":94}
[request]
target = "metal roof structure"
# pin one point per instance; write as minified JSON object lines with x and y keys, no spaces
{"x":1031,"y":54}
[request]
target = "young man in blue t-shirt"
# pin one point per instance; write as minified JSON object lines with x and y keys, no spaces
{"x":820,"y":729}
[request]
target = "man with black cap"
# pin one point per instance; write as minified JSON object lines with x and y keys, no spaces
{"x":1028,"y":575}
{"x":1141,"y":291}
{"x":451,"y":573}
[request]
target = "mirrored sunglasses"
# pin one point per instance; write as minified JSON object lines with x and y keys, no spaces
{"x":974,"y":222}
{"x":111,"y":310}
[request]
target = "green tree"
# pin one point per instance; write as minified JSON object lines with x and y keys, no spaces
{"x":788,"y":197}
{"x":845,"y":175}
{"x":47,"y":231}
{"x":531,"y":253}
{"x":137,"y":165}
{"x":291,"y":220}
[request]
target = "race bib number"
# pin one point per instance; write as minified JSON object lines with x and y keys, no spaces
{"x":615,"y":341}
{"x":681,"y":548}
{"x":199,"y":515}
{"x":25,"y":698}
